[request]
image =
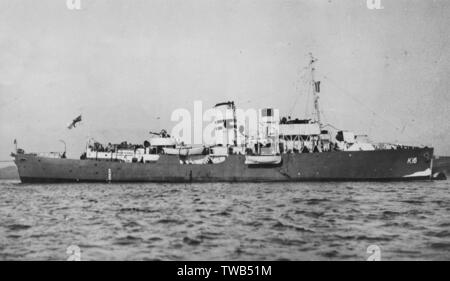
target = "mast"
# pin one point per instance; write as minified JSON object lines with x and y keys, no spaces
{"x":234,"y":123}
{"x":316,"y":89}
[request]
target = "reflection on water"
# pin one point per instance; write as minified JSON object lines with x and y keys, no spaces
{"x":217,"y":221}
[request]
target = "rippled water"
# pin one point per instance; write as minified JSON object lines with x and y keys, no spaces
{"x":292,"y":221}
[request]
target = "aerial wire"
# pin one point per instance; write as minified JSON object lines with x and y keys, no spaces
{"x":347,"y":93}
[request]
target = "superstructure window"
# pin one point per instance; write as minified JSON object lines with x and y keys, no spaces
{"x":267,"y":112}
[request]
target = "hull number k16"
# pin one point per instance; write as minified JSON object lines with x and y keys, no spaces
{"x":412,"y":160}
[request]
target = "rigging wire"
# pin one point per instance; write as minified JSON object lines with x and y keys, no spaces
{"x":309,"y":93}
{"x":362,"y":104}
{"x":301,"y":81}
{"x":374,"y":113}
{"x":400,"y":130}
{"x":332,"y":126}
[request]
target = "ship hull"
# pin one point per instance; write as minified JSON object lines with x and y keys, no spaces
{"x":380,"y":165}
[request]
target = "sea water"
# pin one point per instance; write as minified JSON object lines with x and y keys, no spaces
{"x":225,"y":221}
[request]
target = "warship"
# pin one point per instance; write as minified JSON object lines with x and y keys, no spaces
{"x":283,"y":149}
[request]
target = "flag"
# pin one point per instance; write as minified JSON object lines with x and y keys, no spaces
{"x":317,"y":86}
{"x":74,"y":122}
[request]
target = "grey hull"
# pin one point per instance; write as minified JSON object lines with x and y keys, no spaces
{"x":380,"y":165}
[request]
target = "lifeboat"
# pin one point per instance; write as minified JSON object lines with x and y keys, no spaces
{"x":262,"y":159}
{"x":184,"y":150}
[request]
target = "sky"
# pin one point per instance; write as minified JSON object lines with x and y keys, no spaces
{"x":127,"y":65}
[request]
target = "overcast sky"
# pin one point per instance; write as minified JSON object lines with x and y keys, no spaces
{"x":122,"y":64}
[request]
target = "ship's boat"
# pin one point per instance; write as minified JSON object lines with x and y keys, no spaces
{"x":195,"y":159}
{"x":262,"y":159}
{"x":184,"y":151}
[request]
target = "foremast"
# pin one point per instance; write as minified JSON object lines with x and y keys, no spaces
{"x":316,"y":89}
